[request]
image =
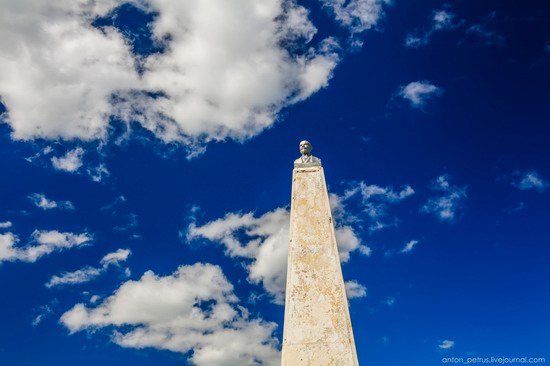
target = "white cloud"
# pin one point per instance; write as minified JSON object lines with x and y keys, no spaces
{"x":41,"y":201}
{"x":42,"y":244}
{"x":446,"y":344}
{"x":70,"y":162}
{"x":529,"y":180}
{"x":194,"y":309}
{"x":386,"y":194}
{"x":57,"y":70}
{"x":98,"y":173}
{"x":5,"y":224}
{"x":365,"y":250}
{"x":443,"y":19}
{"x":375,"y":201}
{"x":115,"y":258}
{"x":440,"y":20}
{"x":447,"y":206}
{"x":357,"y":15}
{"x":409,"y":246}
{"x":7,"y":250}
{"x":82,"y":275}
{"x":94,"y":299}
{"x":418,"y":93}
{"x":88,"y":273}
{"x":264,"y":241}
{"x":413,"y":40}
{"x":226,"y":71}
{"x":354,"y":290}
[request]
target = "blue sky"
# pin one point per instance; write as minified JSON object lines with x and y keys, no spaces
{"x":146,"y":155}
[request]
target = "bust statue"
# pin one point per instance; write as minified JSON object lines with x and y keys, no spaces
{"x":306,"y":159}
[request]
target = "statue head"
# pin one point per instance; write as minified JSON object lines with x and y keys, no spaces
{"x":305,"y":147}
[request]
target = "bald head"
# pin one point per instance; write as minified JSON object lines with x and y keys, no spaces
{"x":305,"y":147}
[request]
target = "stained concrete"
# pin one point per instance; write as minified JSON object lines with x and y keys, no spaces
{"x":317,"y":326}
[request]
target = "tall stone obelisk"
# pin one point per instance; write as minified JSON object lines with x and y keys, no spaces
{"x":317,"y":327}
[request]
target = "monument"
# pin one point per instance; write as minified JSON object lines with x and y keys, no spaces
{"x":317,"y":325}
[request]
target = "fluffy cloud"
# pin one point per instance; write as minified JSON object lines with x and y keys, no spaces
{"x":70,"y":162}
{"x":447,"y":206}
{"x":225,"y":71}
{"x":88,"y":273}
{"x":446,"y":344}
{"x":192,"y":310}
{"x":5,"y":224}
{"x":57,"y":71}
{"x":529,"y":180}
{"x":409,"y":246}
{"x":42,"y":243}
{"x":375,"y":201}
{"x":264,"y":242}
{"x":355,"y":290}
{"x":356,"y":15}
{"x":418,"y":93}
{"x":41,"y":201}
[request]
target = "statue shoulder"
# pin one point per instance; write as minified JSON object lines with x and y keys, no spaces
{"x":307,"y":161}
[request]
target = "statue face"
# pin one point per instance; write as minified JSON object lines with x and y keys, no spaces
{"x":305,"y":147}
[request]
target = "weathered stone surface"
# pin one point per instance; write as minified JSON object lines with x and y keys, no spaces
{"x":317,"y":326}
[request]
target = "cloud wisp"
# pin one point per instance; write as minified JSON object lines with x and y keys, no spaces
{"x":440,"y":20}
{"x":484,"y":34}
{"x":446,"y":344}
{"x":88,"y":273}
{"x":41,"y":201}
{"x":529,"y":180}
{"x":375,"y":202}
{"x":193,"y":310}
{"x":409,"y":246}
{"x":42,"y":244}
{"x":445,"y":20}
{"x":450,"y":203}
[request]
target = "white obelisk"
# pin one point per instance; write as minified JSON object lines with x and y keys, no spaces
{"x":317,"y":326}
